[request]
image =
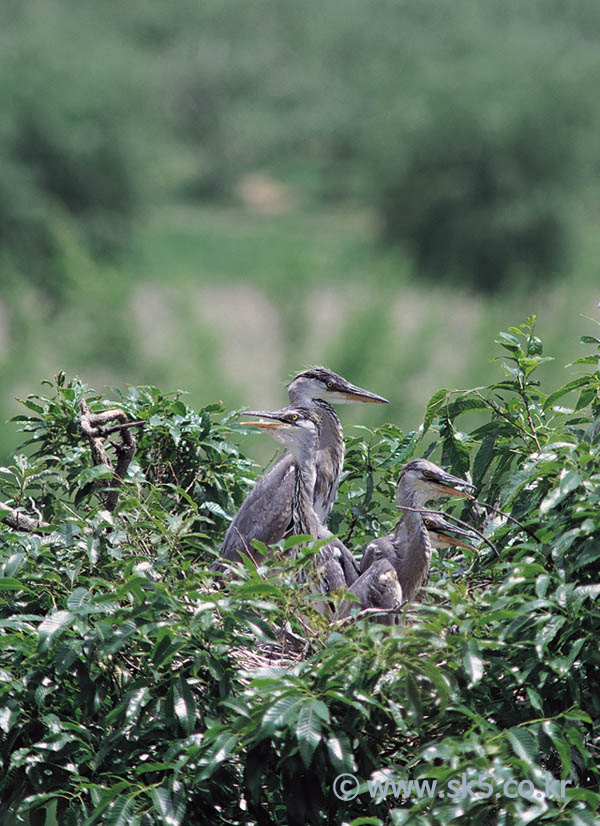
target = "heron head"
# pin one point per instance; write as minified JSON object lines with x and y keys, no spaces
{"x":428,"y":481}
{"x":324,"y":384}
{"x":444,"y":533}
{"x":295,"y":427}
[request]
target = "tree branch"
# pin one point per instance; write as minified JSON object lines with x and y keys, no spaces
{"x":91,"y":425}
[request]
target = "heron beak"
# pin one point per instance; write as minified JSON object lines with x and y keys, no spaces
{"x":352,"y":393}
{"x":450,"y":485}
{"x":262,"y":425}
{"x":264,"y":414}
{"x":448,"y":539}
{"x":449,"y":490}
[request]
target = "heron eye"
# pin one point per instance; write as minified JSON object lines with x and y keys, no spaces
{"x":329,"y":384}
{"x":428,"y":523}
{"x":294,"y":417}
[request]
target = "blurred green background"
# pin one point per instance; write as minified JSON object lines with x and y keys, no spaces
{"x":214,"y":195}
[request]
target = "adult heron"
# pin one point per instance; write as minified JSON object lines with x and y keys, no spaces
{"x":266,"y":513}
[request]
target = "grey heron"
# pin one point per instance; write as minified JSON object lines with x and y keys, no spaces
{"x":380,"y":584}
{"x":266,"y":513}
{"x":298,"y":428}
{"x":409,"y":547}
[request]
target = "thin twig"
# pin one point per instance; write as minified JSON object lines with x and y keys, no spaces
{"x":506,"y":516}
{"x":367,"y":612}
{"x":507,"y":418}
{"x":530,"y":420}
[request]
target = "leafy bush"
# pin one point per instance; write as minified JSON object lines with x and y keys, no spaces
{"x":134,"y":690}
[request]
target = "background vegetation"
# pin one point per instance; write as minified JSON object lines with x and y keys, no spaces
{"x":213,"y":195}
{"x":134,"y":690}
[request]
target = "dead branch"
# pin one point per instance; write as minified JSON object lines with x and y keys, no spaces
{"x":15,"y":518}
{"x":92,"y":426}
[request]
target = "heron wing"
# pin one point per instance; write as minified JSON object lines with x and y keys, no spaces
{"x":266,"y":513}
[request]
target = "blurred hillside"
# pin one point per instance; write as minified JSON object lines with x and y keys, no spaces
{"x":214,"y":195}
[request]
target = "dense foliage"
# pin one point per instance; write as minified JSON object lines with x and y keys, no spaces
{"x":135,"y":690}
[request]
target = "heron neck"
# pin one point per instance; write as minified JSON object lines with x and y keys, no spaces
{"x":303,"y":512}
{"x":330,"y":458}
{"x":414,"y":547}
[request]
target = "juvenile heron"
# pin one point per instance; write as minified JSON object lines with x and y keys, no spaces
{"x":298,"y":428}
{"x":266,"y":513}
{"x":408,"y":548}
{"x":379,"y":585}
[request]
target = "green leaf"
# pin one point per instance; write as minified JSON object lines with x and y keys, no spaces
{"x":558,"y":394}
{"x":523,"y":745}
{"x":473,"y":662}
{"x":552,"y":730}
{"x":184,"y":705}
{"x":120,"y":812}
{"x":433,"y":407}
{"x":90,"y":474}
{"x":9,"y":584}
{"x":214,"y":507}
{"x":464,"y":405}
{"x":569,"y":481}
{"x":284,"y":709}
{"x":53,"y":626}
{"x":308,"y":732}
{"x":340,"y":753}
{"x":509,"y":342}
{"x":483,"y":459}
{"x":170,"y":808}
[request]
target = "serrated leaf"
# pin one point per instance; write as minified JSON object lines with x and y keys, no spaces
{"x":214,"y":507}
{"x":433,"y":406}
{"x":284,"y":709}
{"x":52,"y":626}
{"x":340,"y":753}
{"x":79,"y":598}
{"x":413,"y":694}
{"x":8,"y":583}
{"x":562,"y":391}
{"x":523,"y":745}
{"x":552,"y":730}
{"x":484,"y":458}
{"x":91,"y":474}
{"x":120,"y":812}
{"x":308,"y":732}
{"x":169,"y":806}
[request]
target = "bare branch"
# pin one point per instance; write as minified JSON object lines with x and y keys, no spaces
{"x":91,"y":425}
{"x":15,"y":518}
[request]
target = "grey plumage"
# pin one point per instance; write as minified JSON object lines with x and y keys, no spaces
{"x":394,"y":567}
{"x":266,"y":513}
{"x":377,"y":587}
{"x":298,"y":429}
{"x":409,"y":547}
